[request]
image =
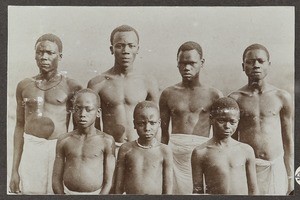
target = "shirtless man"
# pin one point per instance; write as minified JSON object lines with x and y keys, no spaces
{"x":187,"y":105}
{"x":228,"y":166}
{"x":121,"y":88}
{"x":144,"y":166}
{"x":43,"y":104}
{"x":266,"y":124}
{"x":85,"y":158}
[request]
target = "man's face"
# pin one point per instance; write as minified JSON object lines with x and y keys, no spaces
{"x":256,"y":64}
{"x":189,"y":64}
{"x":125,"y":47}
{"x":47,"y":56}
{"x":147,"y":123}
{"x":225,"y":123}
{"x":85,"y":110}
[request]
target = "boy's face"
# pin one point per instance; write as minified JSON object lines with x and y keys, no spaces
{"x":256,"y":64}
{"x":47,"y":56}
{"x":86,"y":110}
{"x":147,"y":122}
{"x":125,"y":47}
{"x":189,"y":64}
{"x":225,"y":123}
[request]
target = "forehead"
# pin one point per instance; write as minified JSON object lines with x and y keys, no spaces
{"x":189,"y":55}
{"x":227,"y":113}
{"x":46,"y":44}
{"x":86,"y":98}
{"x":256,"y":53}
{"x":127,"y":36}
{"x":147,"y":113}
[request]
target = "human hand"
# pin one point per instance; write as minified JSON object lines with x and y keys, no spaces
{"x":14,"y":183}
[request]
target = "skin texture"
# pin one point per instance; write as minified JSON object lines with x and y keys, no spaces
{"x":145,"y":170}
{"x":121,"y":88}
{"x":266,"y":114}
{"x":85,"y":159}
{"x":187,"y":103}
{"x":43,"y":104}
{"x":227,"y":166}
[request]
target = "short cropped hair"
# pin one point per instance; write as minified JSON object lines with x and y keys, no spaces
{"x":52,"y":38}
{"x":122,"y":28}
{"x":143,"y":105}
{"x":255,"y":47}
{"x":190,"y":45}
{"x":84,"y":91}
{"x":223,"y":103}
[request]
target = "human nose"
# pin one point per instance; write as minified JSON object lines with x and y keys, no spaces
{"x":187,"y":67}
{"x":147,"y":126}
{"x":82,"y":112}
{"x":126,"y":49}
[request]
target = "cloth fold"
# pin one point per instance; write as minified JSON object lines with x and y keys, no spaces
{"x":70,"y":192}
{"x":271,"y":176}
{"x":182,"y":146}
{"x":36,"y":165}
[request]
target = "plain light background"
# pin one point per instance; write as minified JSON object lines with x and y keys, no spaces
{"x":223,"y":33}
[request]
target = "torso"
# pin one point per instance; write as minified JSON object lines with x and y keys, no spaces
{"x":144,"y":169}
{"x":225,"y":169}
{"x":83,"y":170}
{"x":119,"y":96}
{"x":190,"y":109}
{"x":50,"y":104}
{"x":260,"y":125}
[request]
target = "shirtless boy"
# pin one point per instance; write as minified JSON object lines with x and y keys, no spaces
{"x":266,"y":124}
{"x":223,"y":165}
{"x":186,"y":105}
{"x":144,"y":166}
{"x":43,"y":104}
{"x":120,"y":88}
{"x":85,"y":157}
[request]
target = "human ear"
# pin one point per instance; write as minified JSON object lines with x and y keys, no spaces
{"x":98,"y":112}
{"x":111,"y":50}
{"x":243,"y":66}
{"x":60,"y":56}
{"x":202,"y":62}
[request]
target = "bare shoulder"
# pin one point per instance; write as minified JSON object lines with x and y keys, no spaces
{"x":201,"y":149}
{"x":127,"y":146}
{"x":284,"y":95}
{"x":171,"y":89}
{"x":64,"y":137}
{"x":238,"y":93}
{"x":246,"y":148}
{"x":73,"y":84}
{"x":214,"y":92}
{"x":165,"y":148}
{"x":106,"y":137}
{"x":24,"y":83}
{"x":99,"y":78}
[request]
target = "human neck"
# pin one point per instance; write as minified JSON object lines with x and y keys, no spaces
{"x":121,"y":70}
{"x":48,"y":76}
{"x":224,"y":142}
{"x":191,"y":83}
{"x":86,"y":131}
{"x":146,"y":144}
{"x":259,"y":85}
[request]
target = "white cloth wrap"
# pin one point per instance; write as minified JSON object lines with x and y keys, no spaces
{"x":182,"y":146}
{"x":36,"y":165}
{"x":70,"y":192}
{"x":272,"y":176}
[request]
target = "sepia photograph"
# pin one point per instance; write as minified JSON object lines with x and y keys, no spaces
{"x":150,"y":100}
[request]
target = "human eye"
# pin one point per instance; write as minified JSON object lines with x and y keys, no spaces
{"x":89,"y":109}
{"x":221,"y":121}
{"x":152,"y":123}
{"x":131,"y":46}
{"x":261,"y":61}
{"x":233,"y":122}
{"x":118,"y":46}
{"x":250,"y":61}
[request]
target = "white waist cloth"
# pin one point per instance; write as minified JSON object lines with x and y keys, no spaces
{"x":271,"y":176}
{"x":36,"y":165}
{"x":70,"y":192}
{"x":182,"y":146}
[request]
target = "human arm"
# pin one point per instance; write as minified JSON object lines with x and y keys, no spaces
{"x":58,"y":169}
{"x":251,"y":171}
{"x":109,"y":165}
{"x":153,"y":91}
{"x":91,"y":85}
{"x":197,"y":173}
{"x":165,"y":117}
{"x":18,"y":142}
{"x":167,"y":171}
{"x":287,"y":138}
{"x":74,"y":87}
{"x":120,"y":171}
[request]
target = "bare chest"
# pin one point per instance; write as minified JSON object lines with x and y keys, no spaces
{"x":123,"y":91}
{"x":84,"y":150}
{"x":144,"y":158}
{"x":259,"y":106}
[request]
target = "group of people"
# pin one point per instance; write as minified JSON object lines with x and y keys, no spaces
{"x":240,"y":144}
